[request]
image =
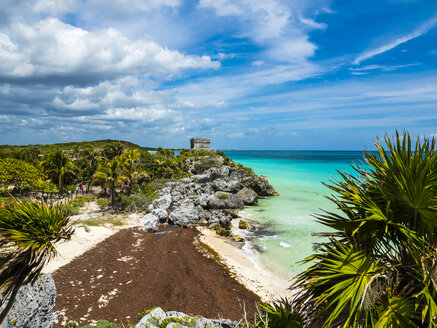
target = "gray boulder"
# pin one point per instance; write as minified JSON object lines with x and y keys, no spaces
{"x":164,"y":202}
{"x":149,"y":222}
{"x":202,"y":200}
{"x":248,"y":196}
{"x":259,"y":184}
{"x":219,"y":218}
{"x":184,"y":214}
{"x":230,"y":185}
{"x":222,"y":200}
{"x":151,"y":318}
{"x":160,"y":213}
{"x":33,"y":305}
{"x":156,"y":317}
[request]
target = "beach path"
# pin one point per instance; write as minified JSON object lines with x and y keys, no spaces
{"x":134,"y":270}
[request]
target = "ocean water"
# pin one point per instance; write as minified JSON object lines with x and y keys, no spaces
{"x":286,"y":221}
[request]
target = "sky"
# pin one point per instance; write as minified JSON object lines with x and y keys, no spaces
{"x":248,"y":74}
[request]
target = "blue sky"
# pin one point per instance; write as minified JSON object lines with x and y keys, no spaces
{"x":249,"y":74}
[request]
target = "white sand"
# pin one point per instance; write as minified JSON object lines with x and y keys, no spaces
{"x":81,"y":241}
{"x":247,"y":269}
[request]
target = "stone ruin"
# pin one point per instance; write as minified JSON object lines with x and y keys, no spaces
{"x":200,"y":143}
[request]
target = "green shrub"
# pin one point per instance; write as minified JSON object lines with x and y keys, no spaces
{"x":147,"y":311}
{"x":72,"y":208}
{"x":102,"y":202}
{"x":136,"y":202}
{"x":105,"y":324}
{"x":72,"y":324}
{"x":205,"y":164}
{"x":280,"y":314}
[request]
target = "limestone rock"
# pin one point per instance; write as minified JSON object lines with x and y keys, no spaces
{"x":160,"y":213}
{"x":149,"y":222}
{"x":243,"y":225}
{"x":157,"y":316}
{"x":222,"y":200}
{"x":248,"y":196}
{"x":184,"y":214}
{"x":237,"y":238}
{"x":33,"y":305}
{"x":229,"y":185}
{"x":219,"y":218}
{"x":146,"y":321}
{"x":164,"y":202}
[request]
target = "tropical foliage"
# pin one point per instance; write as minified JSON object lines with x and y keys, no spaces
{"x":379,"y":268}
{"x":28,"y":232}
{"x":58,"y":164}
{"x":280,"y":314}
{"x":22,"y":175}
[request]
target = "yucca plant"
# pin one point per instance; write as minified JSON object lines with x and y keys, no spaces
{"x":380,"y":267}
{"x":281,"y":314}
{"x":28,"y":232}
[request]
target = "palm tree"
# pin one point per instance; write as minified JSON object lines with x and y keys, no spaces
{"x":28,"y":232}
{"x":380,"y":266}
{"x":109,"y":174}
{"x":89,"y":158}
{"x":130,"y":163}
{"x":110,"y":151}
{"x":57,"y":164}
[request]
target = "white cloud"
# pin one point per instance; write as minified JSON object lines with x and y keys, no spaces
{"x":222,"y":7}
{"x":54,"y":7}
{"x":123,"y":8}
{"x":312,"y":24}
{"x":293,"y":50}
{"x":267,"y":19}
{"x":141,"y":114}
{"x":422,"y":29}
{"x":52,"y":47}
{"x":258,"y":63}
{"x":385,"y":68}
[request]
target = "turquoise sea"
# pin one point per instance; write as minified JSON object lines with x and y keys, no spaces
{"x":286,"y":221}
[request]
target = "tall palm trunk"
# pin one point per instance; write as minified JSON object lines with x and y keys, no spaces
{"x":113,"y":194}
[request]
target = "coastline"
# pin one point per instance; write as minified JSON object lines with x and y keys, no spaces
{"x":246,"y":269}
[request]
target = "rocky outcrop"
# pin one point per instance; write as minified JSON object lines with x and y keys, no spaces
{"x":149,"y":222}
{"x":33,"y":305}
{"x":248,"y":196}
{"x":211,"y":195}
{"x":172,"y":319}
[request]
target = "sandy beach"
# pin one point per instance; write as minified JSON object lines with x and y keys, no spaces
{"x":246,"y":269}
{"x":82,"y":241}
{"x":114,"y":272}
{"x":134,"y":270}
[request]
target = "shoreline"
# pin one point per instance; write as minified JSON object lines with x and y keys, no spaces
{"x":245,"y":268}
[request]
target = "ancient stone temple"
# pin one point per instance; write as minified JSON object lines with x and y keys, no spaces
{"x":200,"y":143}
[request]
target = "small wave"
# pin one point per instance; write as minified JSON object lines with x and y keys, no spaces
{"x":284,"y":244}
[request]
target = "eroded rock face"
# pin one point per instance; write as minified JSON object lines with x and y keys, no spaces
{"x":223,"y":200}
{"x":195,"y":198}
{"x":172,"y":319}
{"x":184,"y":214}
{"x":248,"y":196}
{"x":149,"y":222}
{"x":219,"y":218}
{"x":33,"y":305}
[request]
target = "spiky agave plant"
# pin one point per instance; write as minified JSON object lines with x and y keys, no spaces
{"x":281,"y":314}
{"x":380,"y":267}
{"x":28,"y":232}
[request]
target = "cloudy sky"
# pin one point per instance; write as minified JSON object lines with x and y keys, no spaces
{"x":249,"y":74}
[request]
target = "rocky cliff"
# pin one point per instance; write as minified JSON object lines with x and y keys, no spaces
{"x":33,"y":305}
{"x":212,"y":195}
